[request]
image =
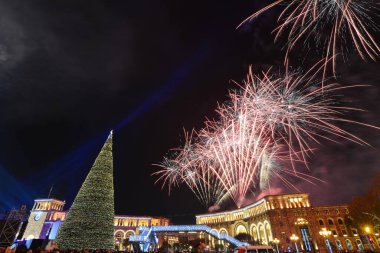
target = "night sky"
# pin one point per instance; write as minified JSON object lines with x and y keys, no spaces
{"x":72,"y":70}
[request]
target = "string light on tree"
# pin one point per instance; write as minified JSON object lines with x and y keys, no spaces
{"x":89,"y":222}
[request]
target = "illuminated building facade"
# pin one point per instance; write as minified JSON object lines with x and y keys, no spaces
{"x":281,"y":216}
{"x":45,"y":219}
{"x":47,"y":216}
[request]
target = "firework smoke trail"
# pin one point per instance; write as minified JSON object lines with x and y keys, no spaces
{"x":270,"y":120}
{"x":329,"y":23}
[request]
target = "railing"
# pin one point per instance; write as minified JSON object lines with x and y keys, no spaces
{"x":137,"y":238}
{"x":144,"y":237}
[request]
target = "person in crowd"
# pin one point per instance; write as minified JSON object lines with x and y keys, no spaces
{"x":9,"y":249}
{"x":200,"y":247}
{"x":51,"y":246}
{"x":21,"y":249}
{"x":56,"y":250}
{"x":39,"y":250}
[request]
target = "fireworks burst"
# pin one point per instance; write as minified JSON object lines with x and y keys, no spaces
{"x":329,"y":23}
{"x":187,"y":165}
{"x":269,"y":121}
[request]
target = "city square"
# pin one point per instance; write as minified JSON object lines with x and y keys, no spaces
{"x":250,"y":127}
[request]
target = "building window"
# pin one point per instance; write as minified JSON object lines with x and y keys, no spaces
{"x":321,"y":223}
{"x":339,"y":245}
{"x":340,"y":221}
{"x":334,"y":233}
{"x":354,"y":232}
{"x":359,"y":244}
{"x":331,"y":222}
{"x":344,"y":232}
{"x":349,"y":244}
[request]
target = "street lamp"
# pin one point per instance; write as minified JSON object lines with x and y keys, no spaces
{"x":276,"y":241}
{"x":295,"y":238}
{"x":326,"y":234}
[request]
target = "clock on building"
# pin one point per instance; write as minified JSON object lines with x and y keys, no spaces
{"x":37,"y":217}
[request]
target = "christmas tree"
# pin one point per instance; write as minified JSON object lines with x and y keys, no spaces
{"x":89,"y":223}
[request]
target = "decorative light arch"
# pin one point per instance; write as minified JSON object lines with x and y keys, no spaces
{"x":262,"y":233}
{"x":254,"y":232}
{"x":223,"y":231}
{"x":119,"y":232}
{"x":129,"y":233}
{"x":268,"y":232}
{"x":240,"y":228}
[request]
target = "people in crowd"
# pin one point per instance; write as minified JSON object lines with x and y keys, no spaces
{"x":200,"y":247}
{"x":21,"y":249}
{"x":51,"y":246}
{"x":9,"y":249}
{"x":39,"y":250}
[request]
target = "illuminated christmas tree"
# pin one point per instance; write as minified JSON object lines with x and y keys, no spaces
{"x":89,"y":223}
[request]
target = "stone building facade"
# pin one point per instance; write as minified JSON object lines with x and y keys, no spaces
{"x":281,"y":216}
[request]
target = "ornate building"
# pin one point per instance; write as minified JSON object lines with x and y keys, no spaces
{"x":275,"y":218}
{"x":47,"y":216}
{"x":45,"y":219}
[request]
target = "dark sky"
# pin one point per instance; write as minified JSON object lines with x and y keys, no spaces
{"x":72,"y":70}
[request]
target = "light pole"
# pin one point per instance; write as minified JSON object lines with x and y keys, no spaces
{"x":276,"y":241}
{"x":326,"y":233}
{"x":295,"y":238}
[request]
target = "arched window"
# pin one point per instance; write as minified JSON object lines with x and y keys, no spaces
{"x":339,"y":245}
{"x":254,"y":232}
{"x":359,"y":244}
{"x":223,"y":231}
{"x":349,"y":244}
{"x":340,"y":221}
{"x":321,"y":223}
{"x":262,"y":234}
{"x":331,"y":222}
{"x":268,"y":233}
{"x":240,"y":229}
{"x":119,"y":235}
